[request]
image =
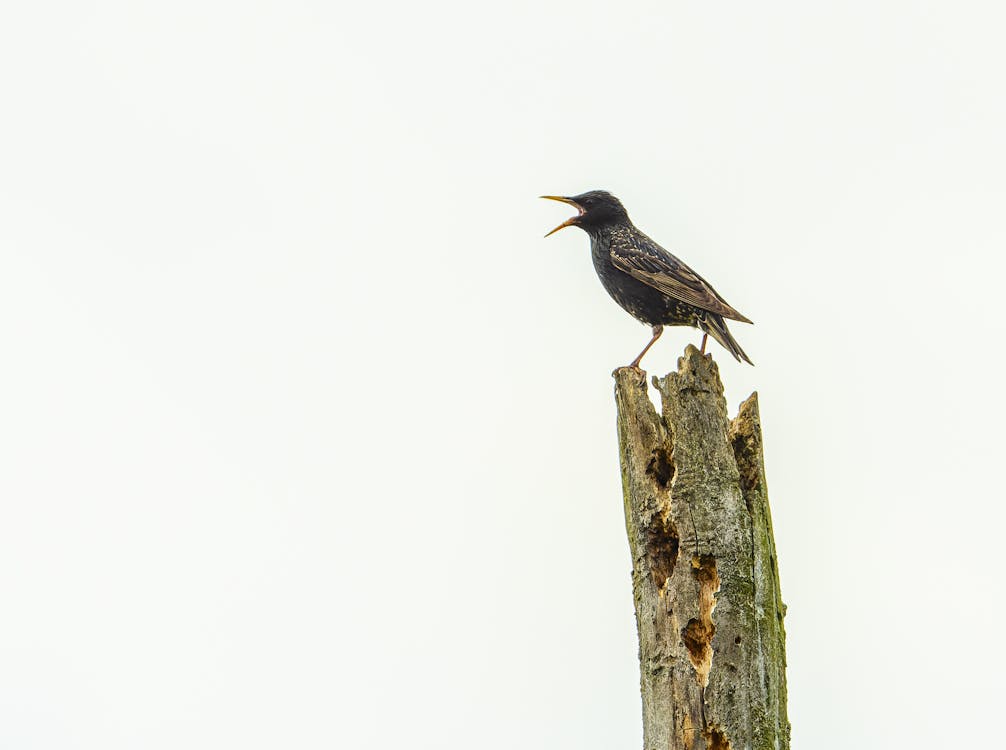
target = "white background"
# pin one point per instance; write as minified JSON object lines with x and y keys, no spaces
{"x":308,"y":435}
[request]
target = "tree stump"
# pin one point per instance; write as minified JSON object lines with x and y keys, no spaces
{"x":704,"y":573}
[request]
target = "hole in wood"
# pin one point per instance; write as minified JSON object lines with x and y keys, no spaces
{"x":717,"y":740}
{"x":661,"y":468}
{"x":698,"y":634}
{"x":662,"y":543}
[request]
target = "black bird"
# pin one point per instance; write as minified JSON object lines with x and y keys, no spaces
{"x":647,"y":281}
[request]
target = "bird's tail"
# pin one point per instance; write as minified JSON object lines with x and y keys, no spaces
{"x":716,"y":327}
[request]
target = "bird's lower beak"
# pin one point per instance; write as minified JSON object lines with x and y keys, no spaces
{"x":571,"y":221}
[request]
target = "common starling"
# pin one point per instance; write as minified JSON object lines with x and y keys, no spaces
{"x":647,"y":281}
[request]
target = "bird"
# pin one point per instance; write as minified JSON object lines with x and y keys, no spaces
{"x":649,"y":283}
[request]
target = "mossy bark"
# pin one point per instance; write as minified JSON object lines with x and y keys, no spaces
{"x":704,"y":573}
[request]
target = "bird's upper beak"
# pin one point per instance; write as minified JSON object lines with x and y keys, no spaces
{"x":571,"y":221}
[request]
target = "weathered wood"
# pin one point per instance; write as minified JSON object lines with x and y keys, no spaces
{"x":705,"y":580}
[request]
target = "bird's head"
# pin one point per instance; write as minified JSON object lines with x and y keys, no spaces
{"x":596,"y":209}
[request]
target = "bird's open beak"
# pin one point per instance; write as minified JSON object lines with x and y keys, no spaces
{"x":571,"y":221}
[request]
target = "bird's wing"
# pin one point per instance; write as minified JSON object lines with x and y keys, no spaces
{"x":645,"y":260}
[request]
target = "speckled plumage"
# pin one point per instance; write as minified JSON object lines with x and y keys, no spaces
{"x":648,"y":282}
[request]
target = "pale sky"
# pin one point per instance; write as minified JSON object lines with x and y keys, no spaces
{"x":308,"y":434}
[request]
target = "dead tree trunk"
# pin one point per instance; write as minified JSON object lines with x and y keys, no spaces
{"x":705,"y":582}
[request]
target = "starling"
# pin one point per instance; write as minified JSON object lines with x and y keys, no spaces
{"x":647,"y":281}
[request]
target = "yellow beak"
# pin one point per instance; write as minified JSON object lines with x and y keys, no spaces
{"x":571,"y":221}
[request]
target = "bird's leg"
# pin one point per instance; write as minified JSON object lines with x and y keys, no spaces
{"x":705,"y":338}
{"x":657,"y":330}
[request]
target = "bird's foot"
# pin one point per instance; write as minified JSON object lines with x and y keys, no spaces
{"x":636,"y":370}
